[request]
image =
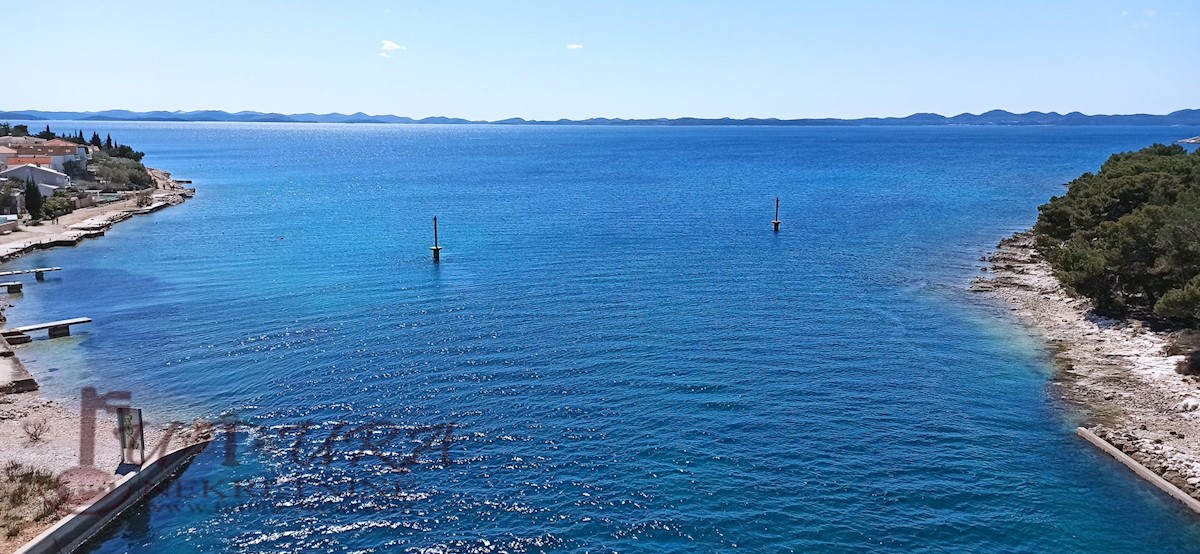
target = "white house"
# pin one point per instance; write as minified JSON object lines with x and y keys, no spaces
{"x":39,"y":175}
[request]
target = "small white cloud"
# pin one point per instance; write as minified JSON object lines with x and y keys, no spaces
{"x":574,"y":47}
{"x":389,"y":45}
{"x":1124,"y":14}
{"x":384,"y":55}
{"x":1150,"y":13}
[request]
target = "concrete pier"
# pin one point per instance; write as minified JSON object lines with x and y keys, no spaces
{"x":55,"y":329}
{"x":39,"y":273}
{"x":13,"y":375}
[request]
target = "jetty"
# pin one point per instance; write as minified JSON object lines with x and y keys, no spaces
{"x":55,"y":329}
{"x":14,"y":377}
{"x":39,"y":273}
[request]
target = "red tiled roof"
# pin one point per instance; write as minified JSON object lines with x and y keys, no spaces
{"x":30,"y":160}
{"x":44,"y":150}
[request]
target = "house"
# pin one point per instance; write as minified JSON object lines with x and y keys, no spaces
{"x":48,"y":190}
{"x":20,"y":141}
{"x":81,"y":150}
{"x":5,"y":154}
{"x":40,"y":161}
{"x":39,"y":175}
{"x":59,"y":155}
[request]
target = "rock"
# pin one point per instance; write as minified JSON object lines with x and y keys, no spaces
{"x":1189,"y":404}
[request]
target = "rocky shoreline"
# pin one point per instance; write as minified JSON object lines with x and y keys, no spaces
{"x":86,"y":223}
{"x":1120,"y":374}
{"x":55,"y":448}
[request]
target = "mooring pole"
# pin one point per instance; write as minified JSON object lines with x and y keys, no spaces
{"x":776,"y":221}
{"x":437,"y":250}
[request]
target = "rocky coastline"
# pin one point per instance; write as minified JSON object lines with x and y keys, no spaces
{"x":1119,"y":374}
{"x":55,"y":446}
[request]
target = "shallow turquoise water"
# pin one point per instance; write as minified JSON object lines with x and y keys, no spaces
{"x":631,"y":359}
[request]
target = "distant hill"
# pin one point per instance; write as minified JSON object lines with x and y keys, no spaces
{"x":994,"y":117}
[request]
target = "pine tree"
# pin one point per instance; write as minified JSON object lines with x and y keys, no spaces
{"x":96,"y":139}
{"x":108,"y":142}
{"x":47,"y":134}
{"x":33,"y":200}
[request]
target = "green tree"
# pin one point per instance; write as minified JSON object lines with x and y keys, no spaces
{"x":20,"y":131}
{"x":1182,"y":303}
{"x":1129,"y":236}
{"x":95,"y":140}
{"x":5,"y":129}
{"x":76,"y":170}
{"x":47,"y":134}
{"x":55,"y":206}
{"x":33,"y":200}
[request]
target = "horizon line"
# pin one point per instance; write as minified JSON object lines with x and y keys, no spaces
{"x":1189,"y":115}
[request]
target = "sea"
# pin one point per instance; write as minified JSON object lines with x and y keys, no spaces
{"x":615,"y":352}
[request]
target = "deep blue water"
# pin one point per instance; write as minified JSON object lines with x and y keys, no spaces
{"x":631,"y":359}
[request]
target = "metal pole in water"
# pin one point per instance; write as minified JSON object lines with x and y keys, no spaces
{"x":776,"y":221}
{"x":437,"y":250}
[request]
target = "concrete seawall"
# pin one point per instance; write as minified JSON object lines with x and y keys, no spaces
{"x":1139,"y":469}
{"x":14,"y":378}
{"x":87,"y":520}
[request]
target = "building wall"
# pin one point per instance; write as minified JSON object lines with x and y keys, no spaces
{"x":27,"y":173}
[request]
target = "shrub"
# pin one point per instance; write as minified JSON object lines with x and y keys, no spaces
{"x":56,"y":206}
{"x":120,"y":173}
{"x":35,"y":429}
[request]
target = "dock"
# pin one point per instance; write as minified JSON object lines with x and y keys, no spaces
{"x":55,"y":329}
{"x":14,"y":377}
{"x":39,"y":273}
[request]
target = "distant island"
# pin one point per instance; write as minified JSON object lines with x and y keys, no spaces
{"x":994,"y":117}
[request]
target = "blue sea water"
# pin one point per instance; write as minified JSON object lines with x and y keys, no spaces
{"x":626,"y":357}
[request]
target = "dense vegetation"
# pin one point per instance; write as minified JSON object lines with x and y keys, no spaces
{"x":1129,"y":236}
{"x":119,"y":173}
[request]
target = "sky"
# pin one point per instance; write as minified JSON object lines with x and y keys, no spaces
{"x":492,"y":60}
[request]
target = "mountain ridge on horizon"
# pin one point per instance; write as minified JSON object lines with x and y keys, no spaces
{"x":992,"y":117}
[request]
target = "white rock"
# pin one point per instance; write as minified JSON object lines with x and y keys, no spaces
{"x":1189,"y":404}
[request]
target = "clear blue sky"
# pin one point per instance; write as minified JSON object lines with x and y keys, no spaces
{"x":605,"y":58}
